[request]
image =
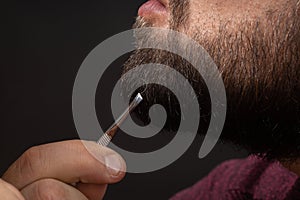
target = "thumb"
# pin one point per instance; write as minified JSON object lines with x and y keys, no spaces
{"x":8,"y":192}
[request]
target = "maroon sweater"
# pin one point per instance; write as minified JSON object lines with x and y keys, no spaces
{"x":251,"y":178}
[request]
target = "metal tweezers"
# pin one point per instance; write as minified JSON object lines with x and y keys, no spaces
{"x":110,"y":133}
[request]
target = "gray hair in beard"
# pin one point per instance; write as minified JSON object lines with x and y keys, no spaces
{"x":156,"y":94}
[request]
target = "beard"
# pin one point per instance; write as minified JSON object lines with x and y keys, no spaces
{"x":260,"y":67}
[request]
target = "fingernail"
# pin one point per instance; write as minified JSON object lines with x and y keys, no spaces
{"x":113,"y":164}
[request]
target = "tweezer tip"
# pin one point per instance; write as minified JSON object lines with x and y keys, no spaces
{"x":139,"y":97}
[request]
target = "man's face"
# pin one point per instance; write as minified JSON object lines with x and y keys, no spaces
{"x":256,"y":46}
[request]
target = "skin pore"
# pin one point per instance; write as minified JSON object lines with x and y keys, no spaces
{"x":256,"y":45}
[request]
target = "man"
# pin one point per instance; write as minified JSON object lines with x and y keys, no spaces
{"x":256,"y":46}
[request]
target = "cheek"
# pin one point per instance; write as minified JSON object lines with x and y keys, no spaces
{"x":204,"y":19}
{"x":208,"y":17}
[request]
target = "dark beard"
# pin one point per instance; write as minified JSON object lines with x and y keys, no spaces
{"x":261,"y":73}
{"x":157,"y":94}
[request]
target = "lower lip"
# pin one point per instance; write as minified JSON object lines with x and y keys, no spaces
{"x":152,"y":7}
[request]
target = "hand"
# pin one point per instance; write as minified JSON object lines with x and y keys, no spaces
{"x":46,"y":172}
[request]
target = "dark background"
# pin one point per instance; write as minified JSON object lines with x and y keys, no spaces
{"x":44,"y":44}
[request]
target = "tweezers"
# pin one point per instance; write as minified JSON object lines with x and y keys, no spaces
{"x":111,"y":132}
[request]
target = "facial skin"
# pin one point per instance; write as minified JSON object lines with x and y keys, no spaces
{"x":256,"y":46}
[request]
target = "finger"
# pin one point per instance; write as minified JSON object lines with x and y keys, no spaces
{"x":92,"y":191}
{"x":51,"y":189}
{"x":8,"y":192}
{"x":68,"y":162}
